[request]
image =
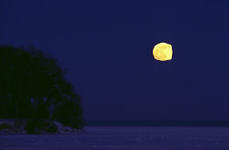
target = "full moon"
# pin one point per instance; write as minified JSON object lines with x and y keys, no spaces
{"x":162,"y":51}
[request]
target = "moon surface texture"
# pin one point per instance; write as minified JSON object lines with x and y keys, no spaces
{"x":163,"y":51}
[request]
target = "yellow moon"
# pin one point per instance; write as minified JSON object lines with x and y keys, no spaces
{"x":163,"y":51}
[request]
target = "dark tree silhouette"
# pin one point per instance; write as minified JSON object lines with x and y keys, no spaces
{"x":33,"y":86}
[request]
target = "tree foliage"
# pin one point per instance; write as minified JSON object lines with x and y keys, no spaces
{"x":33,"y":86}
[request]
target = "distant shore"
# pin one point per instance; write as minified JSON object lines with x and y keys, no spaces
{"x":165,"y":123}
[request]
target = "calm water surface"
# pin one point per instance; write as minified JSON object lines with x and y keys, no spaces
{"x":124,"y":138}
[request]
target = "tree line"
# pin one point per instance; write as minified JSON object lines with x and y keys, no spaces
{"x":33,"y":87}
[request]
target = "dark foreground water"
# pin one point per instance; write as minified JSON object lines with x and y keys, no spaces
{"x":125,"y":138}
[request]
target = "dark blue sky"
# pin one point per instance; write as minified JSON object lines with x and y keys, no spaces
{"x":106,"y":47}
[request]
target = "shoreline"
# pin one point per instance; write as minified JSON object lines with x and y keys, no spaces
{"x":25,"y":127}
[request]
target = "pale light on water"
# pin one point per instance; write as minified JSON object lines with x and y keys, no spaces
{"x":125,"y":138}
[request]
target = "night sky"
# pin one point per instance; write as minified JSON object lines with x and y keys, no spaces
{"x":106,"y":46}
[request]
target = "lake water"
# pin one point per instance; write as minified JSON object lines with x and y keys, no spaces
{"x":125,"y":138}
